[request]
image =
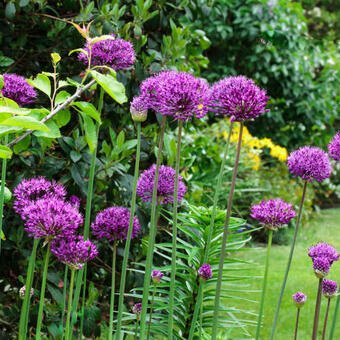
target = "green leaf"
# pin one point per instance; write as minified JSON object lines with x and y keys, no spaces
{"x":26,"y":122}
{"x":5,"y":152}
{"x":10,"y":10}
{"x":42,"y":83}
{"x":4,"y":116}
{"x":61,"y":97}
{"x":120,"y":139}
{"x":3,"y":237}
{"x":110,"y":84}
{"x":62,"y":118}
{"x":4,"y":130}
{"x":8,"y":102}
{"x":1,"y":81}
{"x":7,"y":195}
{"x":75,"y":156}
{"x":22,"y":145}
{"x":53,"y":132}
{"x":13,"y":110}
{"x":88,"y":109}
{"x":90,"y":132}
{"x":23,"y":3}
{"x":55,"y":58}
{"x":5,"y":61}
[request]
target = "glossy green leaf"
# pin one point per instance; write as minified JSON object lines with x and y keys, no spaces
{"x":88,"y":109}
{"x":42,"y":83}
{"x":26,"y":122}
{"x":15,"y":111}
{"x":61,"y":97}
{"x":5,"y":152}
{"x":8,"y":129}
{"x":53,"y":132}
{"x":90,"y":132}
{"x":62,"y":118}
{"x":22,"y":145}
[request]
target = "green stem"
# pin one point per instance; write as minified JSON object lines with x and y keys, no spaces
{"x":112,"y":300}
{"x":150,"y":316}
{"x":224,"y":240}
{"x":297,"y":323}
{"x":317,"y":311}
{"x":201,"y":312}
{"x":199,"y":303}
{"x":128,"y":239}
{"x":136,"y":330}
{"x":64,"y":303}
{"x":68,"y":331}
{"x":264,"y":285}
{"x":42,"y":292}
{"x":83,"y":304}
{"x":336,"y":312}
{"x":325,"y":323}
{"x":174,"y":235}
{"x":276,"y":317}
{"x":153,"y":229}
{"x":212,"y":222}
{"x":2,"y":189}
{"x":26,"y":304}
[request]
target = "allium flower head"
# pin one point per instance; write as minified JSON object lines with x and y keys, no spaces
{"x":299,"y":299}
{"x":137,"y":309}
{"x":166,"y":185}
{"x":30,"y":190}
{"x":75,"y":201}
{"x":334,"y":147}
{"x":177,"y":94}
{"x":115,"y":53}
{"x":273,"y":213}
{"x":18,"y":89}
{"x":205,"y":272}
{"x":238,"y":98}
{"x":139,"y":109}
{"x":73,"y":251}
{"x":156,"y":276}
{"x":113,"y":224}
{"x":321,"y":266}
{"x":22,"y":292}
{"x":324,"y":250}
{"x":309,"y":163}
{"x":51,"y":218}
{"x":329,"y":288}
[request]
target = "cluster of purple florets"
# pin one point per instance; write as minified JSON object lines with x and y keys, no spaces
{"x":165,"y":187}
{"x":273,"y":213}
{"x":205,"y":272}
{"x":329,"y":288}
{"x":113,"y":224}
{"x":156,"y":276}
{"x":299,"y":299}
{"x":309,"y":163}
{"x":334,"y":147}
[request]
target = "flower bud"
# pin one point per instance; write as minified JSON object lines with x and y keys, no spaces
{"x":156,"y":276}
{"x":329,"y":288}
{"x":205,"y":272}
{"x":23,"y":290}
{"x":138,"y":109}
{"x":321,"y":267}
{"x":137,"y":309}
{"x":299,"y":299}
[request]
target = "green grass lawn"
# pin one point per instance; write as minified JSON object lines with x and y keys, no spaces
{"x":325,"y":227}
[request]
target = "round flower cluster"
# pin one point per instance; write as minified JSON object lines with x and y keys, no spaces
{"x":238,"y":98}
{"x":156,"y":276}
{"x":177,"y":94}
{"x":74,"y":251}
{"x":18,"y":89}
{"x":334,"y":147}
{"x":113,"y":224}
{"x":205,"y":272}
{"x":22,"y":292}
{"x":115,"y":53}
{"x":138,"y":109}
{"x":309,"y":163}
{"x":329,"y":288}
{"x":299,"y":299}
{"x":165,"y":187}
{"x":137,"y":309}
{"x":323,"y":256}
{"x":321,"y":267}
{"x":273,"y":213}
{"x":31,"y":190}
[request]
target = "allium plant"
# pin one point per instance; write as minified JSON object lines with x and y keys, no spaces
{"x":309,"y":163}
{"x":273,"y":214}
{"x":299,"y":300}
{"x":329,"y":291}
{"x":334,"y":147}
{"x":205,"y":272}
{"x":324,"y":250}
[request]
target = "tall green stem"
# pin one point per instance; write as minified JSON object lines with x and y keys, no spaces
{"x":201,"y":313}
{"x":68,"y":331}
{"x":42,"y":292}
{"x":26,"y":304}
{"x":325,"y":323}
{"x":276,"y":317}
{"x":2,"y":190}
{"x":199,"y":303}
{"x":64,"y":303}
{"x":224,"y":240}
{"x":270,"y":236}
{"x":128,"y":239}
{"x":112,"y":300}
{"x":336,"y":312}
{"x":136,"y":330}
{"x":174,"y":235}
{"x":82,"y":313}
{"x":297,"y":323}
{"x":211,"y":227}
{"x":317,"y":311}
{"x":150,"y":314}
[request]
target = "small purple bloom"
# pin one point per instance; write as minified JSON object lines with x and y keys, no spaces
{"x":139,"y":109}
{"x":115,"y":53}
{"x":30,"y":190}
{"x":205,"y":272}
{"x":75,"y":201}
{"x":51,"y":218}
{"x":238,"y":98}
{"x":334,"y":147}
{"x":324,"y":250}
{"x":329,"y":288}
{"x":18,"y":89}
{"x":113,"y":224}
{"x":166,"y":185}
{"x":309,"y":163}
{"x":73,"y":251}
{"x":273,"y":213}
{"x":156,"y":276}
{"x":137,"y":309}
{"x":321,"y":266}
{"x":299,"y":299}
{"x":22,"y":292}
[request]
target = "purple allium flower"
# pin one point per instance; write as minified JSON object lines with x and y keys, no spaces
{"x":299,"y":299}
{"x":116,"y":53}
{"x":309,"y":163}
{"x":324,"y":250}
{"x":51,"y":218}
{"x":137,"y":309}
{"x":166,"y":185}
{"x":329,"y":288}
{"x":156,"y":276}
{"x":113,"y":224}
{"x":321,"y":266}
{"x":139,"y":109}
{"x":22,"y":292}
{"x":30,"y":190}
{"x":18,"y":89}
{"x":177,"y":94}
{"x":334,"y":147}
{"x":273,"y":213}
{"x":75,"y":201}
{"x":205,"y":272}
{"x":238,"y":98}
{"x":73,"y":251}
